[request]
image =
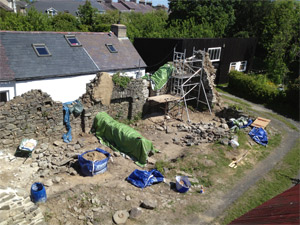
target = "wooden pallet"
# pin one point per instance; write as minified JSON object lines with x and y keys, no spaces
{"x":261,"y":122}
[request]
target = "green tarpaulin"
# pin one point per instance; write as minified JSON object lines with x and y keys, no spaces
{"x":160,"y":77}
{"x":121,"y":137}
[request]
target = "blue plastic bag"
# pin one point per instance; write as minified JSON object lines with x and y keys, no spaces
{"x":142,"y":178}
{"x":91,"y":168}
{"x":259,"y":135}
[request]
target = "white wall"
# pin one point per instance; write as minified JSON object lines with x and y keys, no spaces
{"x":60,"y":89}
{"x":8,"y":86}
{"x":66,"y":89}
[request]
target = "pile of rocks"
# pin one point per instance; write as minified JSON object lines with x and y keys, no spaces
{"x":202,"y":132}
{"x":56,"y":159}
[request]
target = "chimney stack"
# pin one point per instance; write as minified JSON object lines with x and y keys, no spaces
{"x":133,"y":1}
{"x":149,"y":3}
{"x":119,"y":30}
{"x":142,"y":2}
{"x":108,"y":1}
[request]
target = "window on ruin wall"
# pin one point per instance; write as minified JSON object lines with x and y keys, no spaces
{"x":240,"y":66}
{"x":214,"y":54}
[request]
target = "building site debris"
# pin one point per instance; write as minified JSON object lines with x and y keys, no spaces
{"x":123,"y":138}
{"x":260,"y":122}
{"x":143,"y":178}
{"x":241,"y":122}
{"x":182,"y":184}
{"x":120,"y":217}
{"x":201,"y":133}
{"x":38,"y":193}
{"x":234,"y":163}
{"x":259,"y":135}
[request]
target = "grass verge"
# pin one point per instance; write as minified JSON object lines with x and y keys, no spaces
{"x":285,"y":121}
{"x":274,"y":183}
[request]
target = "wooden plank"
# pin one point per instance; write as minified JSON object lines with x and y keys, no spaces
{"x":261,"y":122}
{"x":164,"y":98}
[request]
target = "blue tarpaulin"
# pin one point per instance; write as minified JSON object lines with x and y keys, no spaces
{"x":142,"y":178}
{"x":259,"y":135}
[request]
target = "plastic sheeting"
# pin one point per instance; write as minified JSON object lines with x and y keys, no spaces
{"x":122,"y":138}
{"x":259,"y":135}
{"x":160,"y":77}
{"x":142,"y":178}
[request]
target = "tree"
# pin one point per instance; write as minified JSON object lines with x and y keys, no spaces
{"x":33,"y":21}
{"x":281,"y":38}
{"x":87,"y":15}
{"x":65,"y":22}
{"x":218,"y":15}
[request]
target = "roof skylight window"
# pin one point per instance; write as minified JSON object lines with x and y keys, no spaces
{"x":72,"y":40}
{"x":111,"y":48}
{"x":41,"y":49}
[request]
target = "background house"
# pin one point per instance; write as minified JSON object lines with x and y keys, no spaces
{"x":62,"y":63}
{"x":127,"y":6}
{"x":53,"y":7}
{"x":225,"y":53}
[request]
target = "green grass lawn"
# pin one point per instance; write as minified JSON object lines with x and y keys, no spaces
{"x":274,"y":183}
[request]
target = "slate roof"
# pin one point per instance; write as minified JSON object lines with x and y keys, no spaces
{"x":126,"y":6}
{"x":126,"y":58}
{"x":62,"y":6}
{"x":25,"y":64}
{"x":19,"y":61}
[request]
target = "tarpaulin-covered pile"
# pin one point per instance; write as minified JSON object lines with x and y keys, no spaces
{"x":122,"y":138}
{"x":160,"y":77}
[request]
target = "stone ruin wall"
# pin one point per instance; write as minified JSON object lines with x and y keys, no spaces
{"x":35,"y":115}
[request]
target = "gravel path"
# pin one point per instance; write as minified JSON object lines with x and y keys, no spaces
{"x":262,"y":168}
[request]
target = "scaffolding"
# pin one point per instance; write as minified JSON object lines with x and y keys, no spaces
{"x":187,"y":78}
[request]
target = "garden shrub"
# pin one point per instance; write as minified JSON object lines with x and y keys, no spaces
{"x":255,"y":88}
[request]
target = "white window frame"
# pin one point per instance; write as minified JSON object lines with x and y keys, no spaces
{"x":109,"y":49}
{"x":7,"y":95}
{"x":214,"y":54}
{"x":51,"y":11}
{"x":42,"y":46}
{"x":237,"y":66}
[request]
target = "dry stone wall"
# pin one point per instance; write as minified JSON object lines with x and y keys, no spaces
{"x":35,"y":115}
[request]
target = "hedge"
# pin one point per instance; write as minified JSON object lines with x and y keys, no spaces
{"x":253,"y":88}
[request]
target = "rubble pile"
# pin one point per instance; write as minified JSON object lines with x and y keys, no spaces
{"x":202,"y":132}
{"x":56,"y":159}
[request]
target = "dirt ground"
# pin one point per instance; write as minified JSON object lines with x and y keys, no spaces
{"x":94,"y":200}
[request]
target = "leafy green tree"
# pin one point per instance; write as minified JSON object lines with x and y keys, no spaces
{"x":249,"y":18}
{"x":103,"y":21}
{"x":218,"y":15}
{"x":150,"y":24}
{"x":32,"y":21}
{"x":281,"y":38}
{"x":65,"y":22}
{"x":87,"y":15}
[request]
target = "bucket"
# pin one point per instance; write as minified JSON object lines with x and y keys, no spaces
{"x":38,"y":193}
{"x":182,"y":184}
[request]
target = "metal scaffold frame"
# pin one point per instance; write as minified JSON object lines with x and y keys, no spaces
{"x":187,"y":76}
